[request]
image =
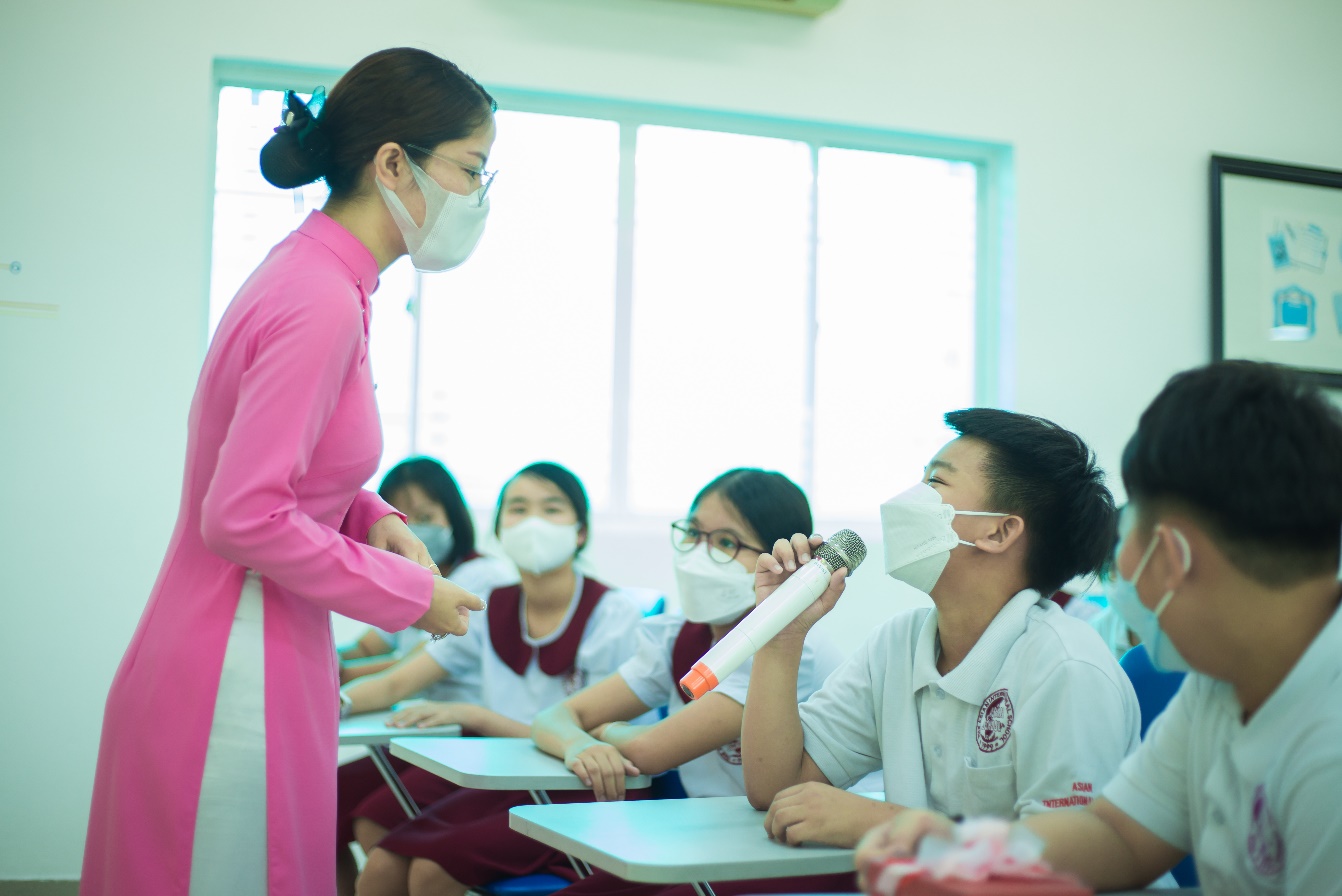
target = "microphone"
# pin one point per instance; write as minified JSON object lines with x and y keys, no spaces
{"x":844,"y":549}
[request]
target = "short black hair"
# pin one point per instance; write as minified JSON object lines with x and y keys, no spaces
{"x":563,"y":479}
{"x":1048,"y":477}
{"x":429,"y":474}
{"x":1254,"y":452}
{"x":772,"y":504}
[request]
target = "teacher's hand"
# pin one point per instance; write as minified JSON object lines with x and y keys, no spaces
{"x":392,"y":534}
{"x":449,"y":611}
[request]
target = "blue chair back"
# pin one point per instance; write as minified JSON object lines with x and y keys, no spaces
{"x":1155,"y":688}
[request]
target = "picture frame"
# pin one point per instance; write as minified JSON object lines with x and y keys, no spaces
{"x":1276,"y":265}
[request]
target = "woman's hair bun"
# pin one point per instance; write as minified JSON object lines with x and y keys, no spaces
{"x":286,"y":164}
{"x":296,"y":155}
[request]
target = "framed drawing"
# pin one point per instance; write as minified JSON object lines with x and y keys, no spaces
{"x":1277,"y":265}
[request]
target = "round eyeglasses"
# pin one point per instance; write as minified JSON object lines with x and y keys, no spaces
{"x":486,"y":178}
{"x":726,"y":544}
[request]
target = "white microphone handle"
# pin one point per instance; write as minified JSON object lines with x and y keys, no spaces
{"x":768,"y":619}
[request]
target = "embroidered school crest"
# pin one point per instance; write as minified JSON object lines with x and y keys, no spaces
{"x":1266,"y":850}
{"x":995,"y":718}
{"x":730,"y":753}
{"x":574,"y":681}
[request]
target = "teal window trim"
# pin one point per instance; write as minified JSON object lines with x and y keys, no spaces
{"x":995,"y":306}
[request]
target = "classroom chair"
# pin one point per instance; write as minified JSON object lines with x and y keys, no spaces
{"x":1155,"y":689}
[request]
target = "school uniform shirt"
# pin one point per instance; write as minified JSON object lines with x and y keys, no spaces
{"x":1256,"y":803}
{"x":1038,"y":715}
{"x":480,"y":576}
{"x":654,"y":674}
{"x":235,"y":641}
{"x":512,"y":666}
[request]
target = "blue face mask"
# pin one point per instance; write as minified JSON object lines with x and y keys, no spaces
{"x":438,"y":540}
{"x":1122,"y":594}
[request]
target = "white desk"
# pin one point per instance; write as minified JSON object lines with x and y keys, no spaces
{"x":495,"y":763}
{"x":675,"y":841}
{"x":370,"y":729}
{"x":500,"y":763}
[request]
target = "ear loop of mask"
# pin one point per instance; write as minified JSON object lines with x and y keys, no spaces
{"x":1188,"y":564}
{"x":970,"y":544}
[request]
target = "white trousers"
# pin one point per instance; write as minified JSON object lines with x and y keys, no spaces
{"x":228,"y":855}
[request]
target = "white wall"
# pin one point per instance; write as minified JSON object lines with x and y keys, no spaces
{"x":105,"y":144}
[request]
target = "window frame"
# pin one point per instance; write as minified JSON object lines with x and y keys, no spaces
{"x":994,"y":297}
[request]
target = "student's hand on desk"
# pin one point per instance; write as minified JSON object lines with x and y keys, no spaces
{"x":772,"y":570}
{"x":390,"y":533}
{"x":898,"y":839}
{"x":818,"y":813}
{"x":602,"y":768}
{"x":430,"y":715}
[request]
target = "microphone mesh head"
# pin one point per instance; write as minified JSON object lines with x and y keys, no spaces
{"x":843,"y":548}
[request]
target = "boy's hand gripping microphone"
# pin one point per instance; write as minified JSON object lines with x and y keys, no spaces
{"x":843,"y":549}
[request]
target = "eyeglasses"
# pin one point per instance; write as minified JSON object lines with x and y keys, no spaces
{"x":486,"y":178}
{"x":686,"y":537}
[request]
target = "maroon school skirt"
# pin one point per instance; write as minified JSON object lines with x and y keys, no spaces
{"x":467,"y":834}
{"x":362,"y":793}
{"x":602,"y":883}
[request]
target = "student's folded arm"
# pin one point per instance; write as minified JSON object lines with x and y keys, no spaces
{"x":370,"y":643}
{"x":1103,"y":846}
{"x":707,"y":724}
{"x":408,"y":677}
{"x":488,"y":723}
{"x":559,"y":728}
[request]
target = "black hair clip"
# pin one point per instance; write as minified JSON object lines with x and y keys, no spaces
{"x":301,"y":117}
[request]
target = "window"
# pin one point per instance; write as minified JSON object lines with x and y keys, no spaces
{"x":663,"y":295}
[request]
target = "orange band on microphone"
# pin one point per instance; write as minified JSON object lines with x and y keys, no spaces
{"x":698,"y":681}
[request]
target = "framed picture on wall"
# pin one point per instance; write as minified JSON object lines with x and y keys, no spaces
{"x":1277,"y":265}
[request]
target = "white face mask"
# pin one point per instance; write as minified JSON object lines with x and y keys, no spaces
{"x":712,"y":592}
{"x":918,"y":537}
{"x":1122,"y":594}
{"x":452,"y":224}
{"x":437,"y":539}
{"x":538,"y":546}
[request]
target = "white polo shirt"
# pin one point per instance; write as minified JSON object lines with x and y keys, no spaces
{"x":607,"y":641}
{"x":1038,"y":715}
{"x":1256,"y":803}
{"x":648,"y":674}
{"x":478,"y":576}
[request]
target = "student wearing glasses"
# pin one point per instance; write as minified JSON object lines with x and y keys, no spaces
{"x":601,"y":732}
{"x":274,"y":529}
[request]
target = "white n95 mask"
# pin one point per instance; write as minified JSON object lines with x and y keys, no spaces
{"x":917,"y":534}
{"x":538,"y":546}
{"x":453,"y":223}
{"x":713,"y":592}
{"x":1122,"y":594}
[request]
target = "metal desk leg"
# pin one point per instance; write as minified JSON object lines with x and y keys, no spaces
{"x":382,"y":759}
{"x":580,"y":866}
{"x":704,"y":888}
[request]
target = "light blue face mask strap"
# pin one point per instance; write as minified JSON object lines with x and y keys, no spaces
{"x":1146,"y":558}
